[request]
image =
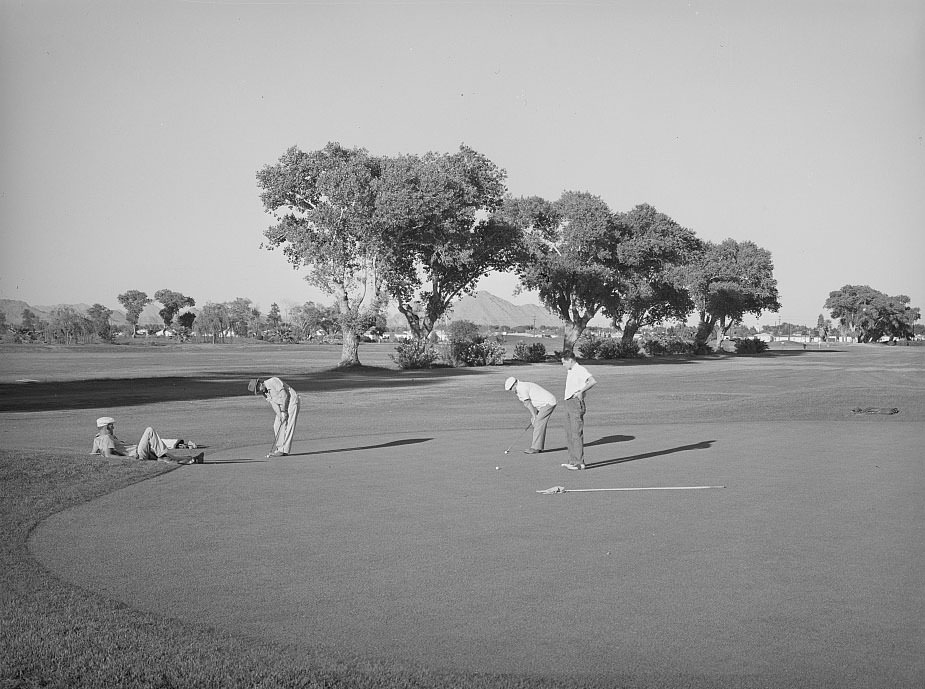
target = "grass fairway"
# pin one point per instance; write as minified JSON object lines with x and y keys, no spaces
{"x":389,"y":551}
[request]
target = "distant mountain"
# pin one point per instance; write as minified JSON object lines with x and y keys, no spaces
{"x":13,"y":309}
{"x":484,"y":308}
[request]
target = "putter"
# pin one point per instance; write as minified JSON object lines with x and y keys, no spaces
{"x":519,"y":436}
{"x":275,"y":441}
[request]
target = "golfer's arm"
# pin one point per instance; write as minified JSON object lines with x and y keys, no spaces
{"x":590,"y":383}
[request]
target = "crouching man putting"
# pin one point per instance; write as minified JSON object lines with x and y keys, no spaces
{"x":285,"y":403}
{"x":151,"y":446}
{"x":540,"y":403}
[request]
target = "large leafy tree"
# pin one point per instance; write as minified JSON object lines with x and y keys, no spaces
{"x":869,"y":314}
{"x":324,"y":204}
{"x":134,"y":302}
{"x":651,"y":281}
{"x":569,"y":256}
{"x":439,"y":214}
{"x":173,"y":302}
{"x":728,"y":281}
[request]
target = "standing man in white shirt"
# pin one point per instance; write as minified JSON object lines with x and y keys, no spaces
{"x":578,"y":381}
{"x":540,"y":403}
{"x":285,"y":403}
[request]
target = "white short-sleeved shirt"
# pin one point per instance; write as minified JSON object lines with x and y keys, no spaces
{"x":278,"y":392}
{"x":538,"y":395}
{"x":575,"y":380}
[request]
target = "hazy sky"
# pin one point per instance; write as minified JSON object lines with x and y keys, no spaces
{"x":132,"y":131}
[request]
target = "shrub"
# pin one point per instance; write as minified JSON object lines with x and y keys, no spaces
{"x":616,"y":349}
{"x":414,"y":354}
{"x":750,"y":345}
{"x":483,"y":352}
{"x":531,"y":353}
{"x":663,"y":345}
{"x":588,"y":346}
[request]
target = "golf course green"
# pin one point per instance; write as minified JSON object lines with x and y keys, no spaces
{"x":399,"y":532}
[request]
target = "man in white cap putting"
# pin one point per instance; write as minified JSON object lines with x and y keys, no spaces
{"x":151,"y":445}
{"x":540,"y":403}
{"x":285,"y":403}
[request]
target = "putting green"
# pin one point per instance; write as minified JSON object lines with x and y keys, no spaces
{"x":389,"y":532}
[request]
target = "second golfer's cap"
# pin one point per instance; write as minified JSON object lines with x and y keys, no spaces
{"x":252,"y":385}
{"x":104,"y":421}
{"x":510,"y":383}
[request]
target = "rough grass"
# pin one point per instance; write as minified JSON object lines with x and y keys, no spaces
{"x":53,"y":634}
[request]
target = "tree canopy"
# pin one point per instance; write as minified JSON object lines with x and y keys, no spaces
{"x":569,"y":256}
{"x":727,"y":281}
{"x":869,"y":314}
{"x":173,"y":302}
{"x":134,"y":302}
{"x":324,"y":204}
{"x":651,"y":281}
{"x":438,"y":213}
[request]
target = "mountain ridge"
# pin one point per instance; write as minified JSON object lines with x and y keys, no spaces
{"x":482,"y":308}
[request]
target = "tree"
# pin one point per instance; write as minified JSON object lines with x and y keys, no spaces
{"x":67,"y":324}
{"x":173,"y":302}
{"x":29,"y":321}
{"x":134,"y":302}
{"x":99,"y":317}
{"x":870,"y":315}
{"x":213,"y":319}
{"x":274,"y":319}
{"x":185,"y":321}
{"x":312,"y":318}
{"x":239,"y":315}
{"x":438,"y":212}
{"x":651,"y":281}
{"x":323,"y":203}
{"x":569,"y":256}
{"x":727,"y":281}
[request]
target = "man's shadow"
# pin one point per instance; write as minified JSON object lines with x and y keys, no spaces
{"x":606,"y":440}
{"x":393,"y":443}
{"x":704,"y":445}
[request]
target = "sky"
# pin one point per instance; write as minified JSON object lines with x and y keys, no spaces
{"x":131,"y":133}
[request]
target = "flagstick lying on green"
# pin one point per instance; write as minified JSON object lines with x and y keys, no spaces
{"x":562,"y":489}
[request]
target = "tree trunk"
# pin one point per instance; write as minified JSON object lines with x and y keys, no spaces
{"x":704,"y":332}
{"x":630,"y":328}
{"x":572,"y":332}
{"x":350,"y":355}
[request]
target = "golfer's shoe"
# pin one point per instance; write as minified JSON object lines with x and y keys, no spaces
{"x":277,"y":453}
{"x":531,"y":451}
{"x":574,"y":467}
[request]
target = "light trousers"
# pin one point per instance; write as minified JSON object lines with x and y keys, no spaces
{"x":539,"y":426}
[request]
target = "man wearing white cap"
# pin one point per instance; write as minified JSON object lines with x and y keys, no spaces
{"x":285,"y":403}
{"x":540,"y":403}
{"x":151,"y":445}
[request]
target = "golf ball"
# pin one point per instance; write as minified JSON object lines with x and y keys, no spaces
{"x":497,"y":468}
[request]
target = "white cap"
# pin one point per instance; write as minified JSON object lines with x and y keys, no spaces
{"x":510,"y":383}
{"x":104,"y":421}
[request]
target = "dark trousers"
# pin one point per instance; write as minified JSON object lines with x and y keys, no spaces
{"x":575,"y":429}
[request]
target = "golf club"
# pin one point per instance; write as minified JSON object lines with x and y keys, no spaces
{"x":276,"y":441}
{"x":519,"y":435}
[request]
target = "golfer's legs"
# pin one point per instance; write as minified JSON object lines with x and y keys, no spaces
{"x":575,"y":425}
{"x":285,"y":443}
{"x":539,"y":426}
{"x":151,"y":446}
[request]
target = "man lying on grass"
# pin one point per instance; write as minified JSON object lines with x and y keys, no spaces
{"x":151,"y":445}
